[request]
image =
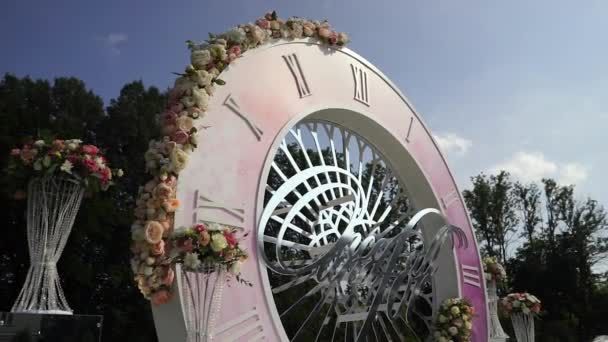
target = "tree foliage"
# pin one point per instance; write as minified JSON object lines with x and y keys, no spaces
{"x":563,"y":239}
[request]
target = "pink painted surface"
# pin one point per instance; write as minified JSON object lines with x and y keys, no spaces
{"x":228,"y":165}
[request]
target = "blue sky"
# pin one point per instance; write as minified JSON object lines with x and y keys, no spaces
{"x":520,"y":85}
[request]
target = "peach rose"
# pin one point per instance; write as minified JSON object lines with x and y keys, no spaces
{"x":154,"y":232}
{"x":171,"y":205}
{"x":160,"y":297}
{"x":159,"y":248}
{"x":163,"y":190}
{"x":169,"y":276}
{"x":204,"y":238}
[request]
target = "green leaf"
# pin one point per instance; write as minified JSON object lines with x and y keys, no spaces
{"x":219,"y":81}
{"x":274,"y":15}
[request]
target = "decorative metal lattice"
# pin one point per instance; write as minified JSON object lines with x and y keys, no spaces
{"x":53,"y":203}
{"x":201,"y":296}
{"x":343,"y":243}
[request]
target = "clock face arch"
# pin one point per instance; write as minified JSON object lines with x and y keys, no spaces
{"x":268,"y":92}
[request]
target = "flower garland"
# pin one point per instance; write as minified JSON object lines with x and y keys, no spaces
{"x":521,"y":303}
{"x":454,"y":321}
{"x":493,"y":270}
{"x":168,"y":156}
{"x":71,"y":158}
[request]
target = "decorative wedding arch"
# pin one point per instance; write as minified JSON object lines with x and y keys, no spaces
{"x":299,"y":90}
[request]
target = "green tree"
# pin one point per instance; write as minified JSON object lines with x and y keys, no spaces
{"x":95,"y":264}
{"x":492,"y":204}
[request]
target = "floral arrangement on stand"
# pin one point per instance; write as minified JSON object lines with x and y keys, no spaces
{"x":153,"y":231}
{"x":70,"y":158}
{"x":521,"y":303}
{"x":493,"y":270}
{"x":454,"y":321}
{"x":199,"y":246}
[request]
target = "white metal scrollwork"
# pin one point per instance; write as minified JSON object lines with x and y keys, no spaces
{"x":343,"y":243}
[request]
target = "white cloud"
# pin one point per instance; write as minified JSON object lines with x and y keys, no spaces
{"x":114,"y":40}
{"x":452,"y":144}
{"x":533,"y":166}
{"x":573,"y":173}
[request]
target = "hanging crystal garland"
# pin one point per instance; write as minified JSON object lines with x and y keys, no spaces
{"x":201,"y":294}
{"x":496,"y":331}
{"x":53,"y":203}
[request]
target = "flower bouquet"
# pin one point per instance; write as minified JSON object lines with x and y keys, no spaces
{"x":56,"y":174}
{"x":493,"y":270}
{"x":206,"y":255}
{"x":454,"y":321}
{"x":494,"y":273}
{"x":522,"y":307}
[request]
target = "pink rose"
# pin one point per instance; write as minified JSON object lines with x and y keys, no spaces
{"x":105,"y":174}
{"x":27,"y":155}
{"x":333,"y":38}
{"x":160,"y":297}
{"x":163,"y":191}
{"x":170,"y":118}
{"x":268,"y":16}
{"x":168,"y":129}
{"x":324,"y":32}
{"x":159,"y":248}
{"x":231,"y":239}
{"x":58,"y":144}
{"x":180,"y":137}
{"x":90,"y":164}
{"x":263,"y":23}
{"x":200,"y":227}
{"x":204,"y":238}
{"x":90,"y":149}
{"x":169,"y":276}
{"x":187,"y":245}
{"x":15,"y":152}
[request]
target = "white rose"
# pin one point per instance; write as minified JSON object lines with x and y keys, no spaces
{"x":179,"y":159}
{"x":235,"y":268}
{"x":66,"y":167}
{"x":201,"y":98}
{"x":191,"y":261}
{"x":39,"y":143}
{"x":188,"y":101}
{"x":200,"y":58}
{"x":148,"y":271}
{"x":202,"y":78}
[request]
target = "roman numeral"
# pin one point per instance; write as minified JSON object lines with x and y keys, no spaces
{"x":450,"y":198}
{"x":247,"y":324}
{"x":470,"y":275}
{"x":231,"y":103}
{"x":409,"y":129}
{"x":360,"y":78}
{"x":217,"y":212}
{"x":298,"y":75}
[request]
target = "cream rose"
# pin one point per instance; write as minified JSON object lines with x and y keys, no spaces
{"x":200,"y":98}
{"x":200,"y":58}
{"x":154,"y":232}
{"x":179,"y":159}
{"x":235,"y":268}
{"x":202,"y":78}
{"x":185,"y":123}
{"x":218,"y":242}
